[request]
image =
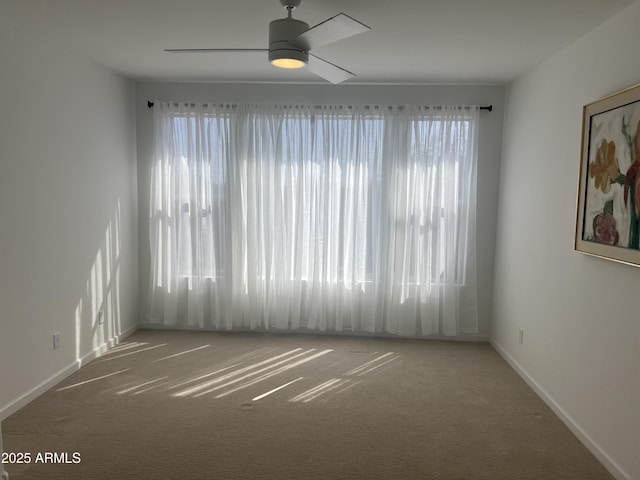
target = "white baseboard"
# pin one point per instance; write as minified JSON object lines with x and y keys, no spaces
{"x":463,"y":337}
{"x":96,"y":352}
{"x":56,"y":378}
{"x":588,"y":442}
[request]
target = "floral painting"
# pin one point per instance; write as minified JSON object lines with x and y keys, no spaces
{"x":609,"y":197}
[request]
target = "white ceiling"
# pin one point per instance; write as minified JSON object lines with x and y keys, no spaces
{"x":411,"y":41}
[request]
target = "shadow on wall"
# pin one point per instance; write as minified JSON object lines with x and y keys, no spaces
{"x":98,"y":322}
{"x":98,"y":316}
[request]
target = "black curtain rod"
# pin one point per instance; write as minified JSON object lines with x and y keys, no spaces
{"x":488,"y":108}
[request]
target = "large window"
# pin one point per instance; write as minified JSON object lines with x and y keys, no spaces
{"x":300,"y":206}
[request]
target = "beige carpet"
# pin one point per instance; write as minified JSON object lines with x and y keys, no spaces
{"x":191,"y":405}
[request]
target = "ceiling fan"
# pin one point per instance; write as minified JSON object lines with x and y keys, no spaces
{"x":291,"y":40}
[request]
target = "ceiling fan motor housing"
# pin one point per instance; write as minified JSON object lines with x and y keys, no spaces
{"x":282,"y":33}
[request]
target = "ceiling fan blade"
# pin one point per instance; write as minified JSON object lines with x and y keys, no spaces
{"x":331,"y":30}
{"x":327,"y":70}
{"x":213,"y":50}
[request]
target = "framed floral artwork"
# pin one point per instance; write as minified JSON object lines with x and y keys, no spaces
{"x":608,"y":217}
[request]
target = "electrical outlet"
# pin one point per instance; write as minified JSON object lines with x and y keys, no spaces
{"x":521,"y":336}
{"x":56,"y":341}
{"x":100,"y":317}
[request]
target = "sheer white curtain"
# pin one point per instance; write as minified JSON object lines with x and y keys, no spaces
{"x":324,"y":218}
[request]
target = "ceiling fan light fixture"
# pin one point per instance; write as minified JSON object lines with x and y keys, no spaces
{"x":291,"y":40}
{"x":288,"y":58}
{"x":283,"y":51}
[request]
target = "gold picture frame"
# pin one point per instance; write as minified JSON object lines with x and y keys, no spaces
{"x":608,"y":212}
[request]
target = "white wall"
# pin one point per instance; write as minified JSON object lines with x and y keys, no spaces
{"x":580,"y":315}
{"x":68,"y":220}
{"x":490,"y":138}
